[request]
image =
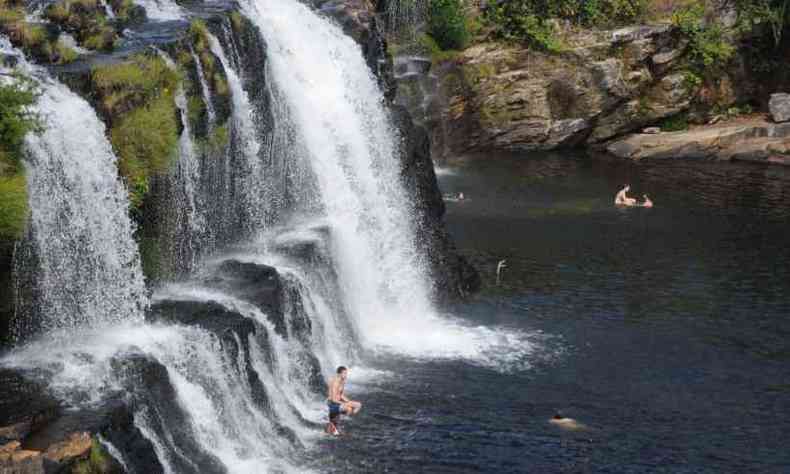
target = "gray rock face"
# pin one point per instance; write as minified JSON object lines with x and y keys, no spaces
{"x":757,"y":141}
{"x":634,"y":33}
{"x":606,"y":85}
{"x":780,"y":107}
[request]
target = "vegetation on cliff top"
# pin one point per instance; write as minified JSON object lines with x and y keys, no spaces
{"x":16,"y":120}
{"x":137,"y":99}
{"x":34,"y":39}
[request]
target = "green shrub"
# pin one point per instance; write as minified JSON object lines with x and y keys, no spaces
{"x":521,"y":20}
{"x":675,"y":123}
{"x":774,"y":13}
{"x":527,"y":20}
{"x":16,"y":118}
{"x":438,"y":55}
{"x":708,"y":47}
{"x":447,"y":24}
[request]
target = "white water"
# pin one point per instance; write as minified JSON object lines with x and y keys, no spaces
{"x":107,"y":9}
{"x":338,"y":111}
{"x":204,"y":88}
{"x":88,"y":270}
{"x":253,"y":179}
{"x":162,"y":10}
{"x":187,"y":176}
{"x":222,"y":417}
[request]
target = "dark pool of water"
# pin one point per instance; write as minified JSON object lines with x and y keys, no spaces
{"x":670,"y":327}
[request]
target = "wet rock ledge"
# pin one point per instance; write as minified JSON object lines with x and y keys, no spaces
{"x":754,"y":140}
{"x":39,"y":435}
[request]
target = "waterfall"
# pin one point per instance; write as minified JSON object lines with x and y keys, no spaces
{"x":161,"y":10}
{"x":251,"y":177}
{"x":225,"y":370}
{"x":187,"y":199}
{"x":339,"y":115}
{"x":88,"y":270}
{"x":107,"y":9}
{"x":204,"y":88}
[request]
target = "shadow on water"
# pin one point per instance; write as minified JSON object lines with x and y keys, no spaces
{"x":669,"y":326}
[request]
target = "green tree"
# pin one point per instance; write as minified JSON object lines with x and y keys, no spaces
{"x":447,"y":24}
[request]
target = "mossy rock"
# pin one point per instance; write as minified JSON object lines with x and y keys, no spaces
{"x":125,"y":86}
{"x":137,"y":99}
{"x":99,"y":461}
{"x":13,"y":206}
{"x":86,"y":20}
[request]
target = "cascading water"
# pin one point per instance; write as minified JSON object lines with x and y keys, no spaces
{"x":88,"y":271}
{"x":226,"y":371}
{"x":353,"y":150}
{"x":161,"y":10}
{"x":187,"y":200}
{"x":204,"y":88}
{"x":251,"y":175}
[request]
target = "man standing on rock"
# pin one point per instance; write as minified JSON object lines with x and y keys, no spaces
{"x":337,"y":401}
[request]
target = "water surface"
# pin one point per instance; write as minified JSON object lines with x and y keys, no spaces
{"x":664,"y":330}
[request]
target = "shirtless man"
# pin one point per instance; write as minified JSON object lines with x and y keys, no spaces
{"x":622,"y":198}
{"x":337,"y":401}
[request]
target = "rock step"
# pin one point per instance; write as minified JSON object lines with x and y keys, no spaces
{"x":758,"y":141}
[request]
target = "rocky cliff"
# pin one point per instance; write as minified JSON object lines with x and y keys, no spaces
{"x":133,"y":84}
{"x":601,"y":85}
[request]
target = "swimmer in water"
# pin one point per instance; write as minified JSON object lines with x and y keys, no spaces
{"x":622,"y":199}
{"x":648,"y":202}
{"x":567,"y":423}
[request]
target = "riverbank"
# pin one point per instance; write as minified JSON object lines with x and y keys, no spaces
{"x":753,"y":139}
{"x":662,"y":331}
{"x":678,"y":67}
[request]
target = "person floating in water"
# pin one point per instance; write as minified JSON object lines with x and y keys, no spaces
{"x":648,"y":202}
{"x":622,"y":199}
{"x":337,"y":401}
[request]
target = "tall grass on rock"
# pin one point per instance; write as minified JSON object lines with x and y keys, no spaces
{"x":136,"y":98}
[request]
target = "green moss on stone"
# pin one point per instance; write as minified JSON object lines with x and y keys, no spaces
{"x":13,"y":206}
{"x":195,"y":110}
{"x":34,"y":39}
{"x":199,"y":34}
{"x":236,"y":21}
{"x":137,"y":98}
{"x":86,"y":20}
{"x":98,"y":462}
{"x":133,"y":83}
{"x":145,"y":141}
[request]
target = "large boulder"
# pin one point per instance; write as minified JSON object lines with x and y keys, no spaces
{"x":780,"y":107}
